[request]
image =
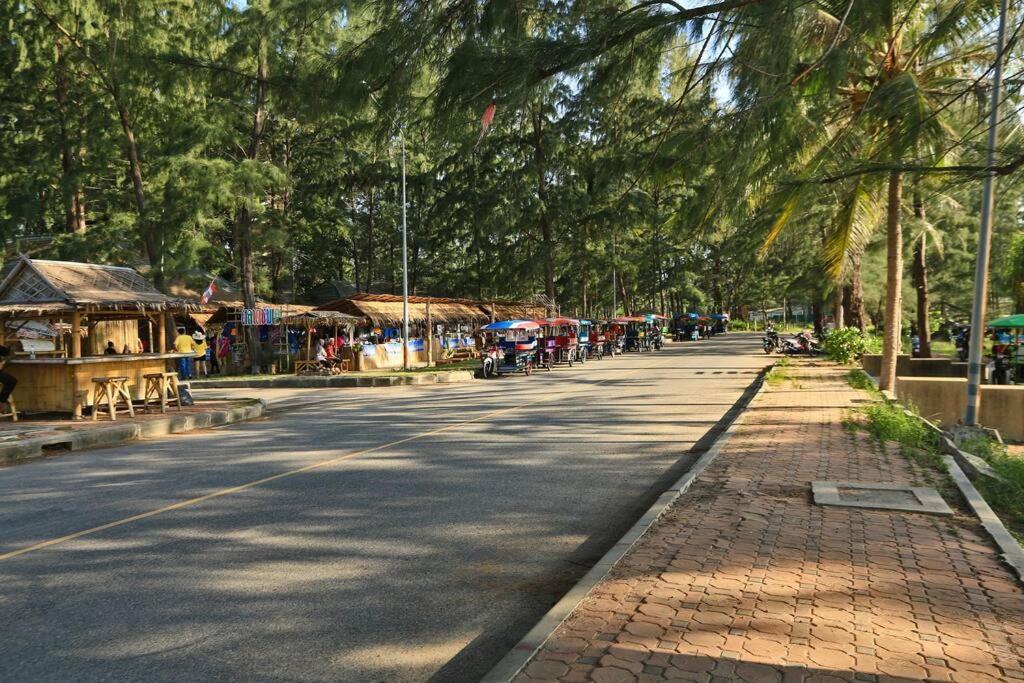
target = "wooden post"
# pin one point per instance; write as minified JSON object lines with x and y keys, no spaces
{"x":430,"y":338}
{"x":76,"y":335}
{"x":309,"y":343}
{"x":149,"y":337}
{"x":161,"y":334}
{"x":76,"y":352}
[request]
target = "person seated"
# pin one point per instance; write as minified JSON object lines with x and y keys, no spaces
{"x":110,"y":350}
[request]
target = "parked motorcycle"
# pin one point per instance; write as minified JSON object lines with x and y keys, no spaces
{"x":801,"y":343}
{"x":770,"y":342}
{"x":963,"y":343}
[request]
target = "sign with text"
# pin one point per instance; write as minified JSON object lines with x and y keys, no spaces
{"x":261,"y":316}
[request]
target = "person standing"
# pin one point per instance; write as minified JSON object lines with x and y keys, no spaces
{"x":200,"y":348}
{"x":211,"y":354}
{"x":7,"y":381}
{"x":183,"y":344}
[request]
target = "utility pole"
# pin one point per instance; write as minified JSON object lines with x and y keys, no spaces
{"x":405,"y":249}
{"x":977,"y":342}
{"x":405,"y":265}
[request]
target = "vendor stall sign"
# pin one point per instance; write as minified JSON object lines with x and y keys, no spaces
{"x":32,"y":329}
{"x":369,"y":350}
{"x":393,"y":349}
{"x":261,"y":316}
{"x":416,"y":345}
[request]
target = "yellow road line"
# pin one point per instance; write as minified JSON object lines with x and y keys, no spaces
{"x":275,"y":477}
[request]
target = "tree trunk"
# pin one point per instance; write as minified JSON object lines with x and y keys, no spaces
{"x":151,"y":240}
{"x":542,"y":198}
{"x":838,"y":307}
{"x":893,"y":283}
{"x":243,"y":219}
{"x":853,"y":296}
{"x":370,"y":227}
{"x":919,"y":272}
{"x":70,"y":153}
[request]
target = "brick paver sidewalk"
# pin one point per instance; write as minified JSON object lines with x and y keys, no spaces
{"x":746,"y":579}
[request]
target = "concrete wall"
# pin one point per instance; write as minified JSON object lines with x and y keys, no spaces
{"x":918,"y":367}
{"x":930,"y":367}
{"x":943,"y":400}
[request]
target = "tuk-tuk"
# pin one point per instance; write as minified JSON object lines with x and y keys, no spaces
{"x":586,"y":347}
{"x":512,"y":347}
{"x":565,"y":332}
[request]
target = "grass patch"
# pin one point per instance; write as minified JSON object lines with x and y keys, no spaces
{"x":858,"y":379}
{"x":890,"y":422}
{"x":781,"y":373}
{"x":1007,"y":496}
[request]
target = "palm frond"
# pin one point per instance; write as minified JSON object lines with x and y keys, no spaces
{"x":854,"y":223}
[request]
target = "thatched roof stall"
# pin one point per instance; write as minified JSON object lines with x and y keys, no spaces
{"x":385,"y":310}
{"x":42,"y":302}
{"x":312,"y":318}
{"x":38,"y":288}
{"x":513,"y":310}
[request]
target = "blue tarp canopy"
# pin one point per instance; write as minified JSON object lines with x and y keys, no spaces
{"x":511,"y":325}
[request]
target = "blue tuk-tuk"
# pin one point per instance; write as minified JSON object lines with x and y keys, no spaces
{"x":511,"y":347}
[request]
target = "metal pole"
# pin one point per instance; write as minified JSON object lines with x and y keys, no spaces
{"x":405,"y":267}
{"x":977,"y":342}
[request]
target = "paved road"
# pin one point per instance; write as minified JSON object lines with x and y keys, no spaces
{"x":399,"y":534}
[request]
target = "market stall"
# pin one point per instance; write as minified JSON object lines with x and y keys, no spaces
{"x":59,"y":317}
{"x":323,"y":325}
{"x":378,"y":343}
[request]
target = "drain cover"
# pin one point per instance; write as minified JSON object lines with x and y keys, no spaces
{"x":879,"y":497}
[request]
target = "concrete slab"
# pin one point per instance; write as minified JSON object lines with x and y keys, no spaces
{"x":879,"y":496}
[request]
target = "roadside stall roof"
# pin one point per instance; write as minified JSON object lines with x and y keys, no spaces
{"x":314,"y":317}
{"x":512,"y":310}
{"x":386,"y":309}
{"x":36,"y":287}
{"x":1008,"y":322}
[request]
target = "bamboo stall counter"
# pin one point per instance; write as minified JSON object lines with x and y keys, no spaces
{"x":64,"y":385}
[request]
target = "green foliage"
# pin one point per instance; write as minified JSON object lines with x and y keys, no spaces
{"x":890,"y":422}
{"x":781,"y":372}
{"x":845,"y":345}
{"x":658,"y":142}
{"x":858,"y":379}
{"x":1005,"y":495}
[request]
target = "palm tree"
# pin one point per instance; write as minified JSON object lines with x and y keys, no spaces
{"x":888,"y":78}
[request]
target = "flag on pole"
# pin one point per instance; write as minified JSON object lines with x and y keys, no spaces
{"x":486,"y":120}
{"x":208,"y":294}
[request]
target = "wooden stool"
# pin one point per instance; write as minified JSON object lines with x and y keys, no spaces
{"x":14,"y":411}
{"x":110,"y":390}
{"x":302,"y":366}
{"x":157,"y":386}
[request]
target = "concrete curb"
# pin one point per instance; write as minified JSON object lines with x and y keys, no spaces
{"x":124,"y":432}
{"x":333,"y":381}
{"x":1013,"y":554}
{"x":958,"y":462}
{"x":521,"y":653}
